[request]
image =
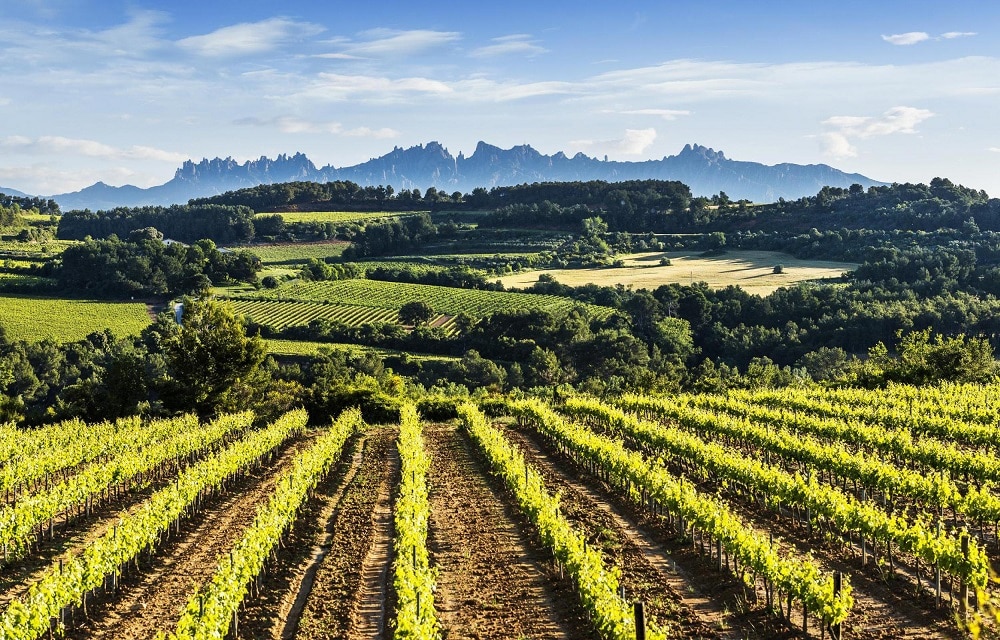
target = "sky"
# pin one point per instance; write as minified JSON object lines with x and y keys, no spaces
{"x":124,"y":92}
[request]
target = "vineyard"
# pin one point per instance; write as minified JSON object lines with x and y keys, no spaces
{"x":756,"y":514}
{"x":297,"y":253}
{"x":298,"y":302}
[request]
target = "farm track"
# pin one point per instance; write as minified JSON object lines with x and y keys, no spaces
{"x":154,"y":599}
{"x":373,"y":602}
{"x":492,"y":583}
{"x":682,"y":593}
{"x":327,"y":609}
{"x":277,"y":610}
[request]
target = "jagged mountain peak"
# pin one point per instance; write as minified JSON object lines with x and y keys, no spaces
{"x":704,"y":169}
{"x":699,"y":151}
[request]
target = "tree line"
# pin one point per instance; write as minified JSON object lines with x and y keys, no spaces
{"x":223,"y":224}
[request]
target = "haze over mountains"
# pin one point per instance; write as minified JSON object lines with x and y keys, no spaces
{"x":705,"y":170}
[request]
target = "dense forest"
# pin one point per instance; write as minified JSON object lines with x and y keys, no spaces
{"x":143,"y":265}
{"x":222,"y":224}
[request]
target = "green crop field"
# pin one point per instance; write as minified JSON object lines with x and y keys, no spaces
{"x":392,"y":295}
{"x":19,"y":264}
{"x":48,"y":248}
{"x":281,"y":254}
{"x":280,"y":347}
{"x":25,"y":280}
{"x":340,"y":217}
{"x":38,"y":218}
{"x":35,"y":318}
{"x":306,"y":348}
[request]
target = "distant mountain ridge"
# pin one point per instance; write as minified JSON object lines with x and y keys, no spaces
{"x":705,"y":170}
{"x":13,"y":192}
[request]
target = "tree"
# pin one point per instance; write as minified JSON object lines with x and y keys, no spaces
{"x":415,"y":313}
{"x":207,"y":357}
{"x":926,"y":359}
{"x":543,"y":368}
{"x":716,"y":241}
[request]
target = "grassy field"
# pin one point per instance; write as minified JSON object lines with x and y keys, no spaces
{"x":35,"y":318}
{"x":751,"y":270}
{"x":340,"y":217}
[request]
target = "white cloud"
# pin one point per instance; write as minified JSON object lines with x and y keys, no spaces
{"x":289,"y":124}
{"x":836,"y":145}
{"x":364,"y":132}
{"x":335,"y":86}
{"x":634,"y":143}
{"x":378,"y":43}
{"x":895,"y":120}
{"x":60,"y":145}
{"x":994,"y":149}
{"x":486,"y":90}
{"x":336,"y":56}
{"x":249,"y":38}
{"x":666,"y":114}
{"x":838,"y":142}
{"x":914,"y":37}
{"x":518,"y":43}
{"x":911,"y":37}
{"x":4,"y":102}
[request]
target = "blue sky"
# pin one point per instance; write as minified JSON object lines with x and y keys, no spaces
{"x":124,"y":91}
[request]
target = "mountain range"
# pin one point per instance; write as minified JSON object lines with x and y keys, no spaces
{"x":705,"y":170}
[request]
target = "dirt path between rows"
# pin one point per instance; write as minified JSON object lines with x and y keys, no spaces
{"x":492,"y":581}
{"x":320,"y":543}
{"x":369,"y":619}
{"x":684,"y":593}
{"x":154,"y":599}
{"x":356,"y":538}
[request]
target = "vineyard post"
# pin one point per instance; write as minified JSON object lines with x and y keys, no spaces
{"x":963,"y":588}
{"x":937,"y":574}
{"x":808,"y":510}
{"x":640,"y":621}
{"x":838,"y":581}
{"x":864,"y":549}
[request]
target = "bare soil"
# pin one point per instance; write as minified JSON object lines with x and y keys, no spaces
{"x":356,"y":528}
{"x":493,"y":583}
